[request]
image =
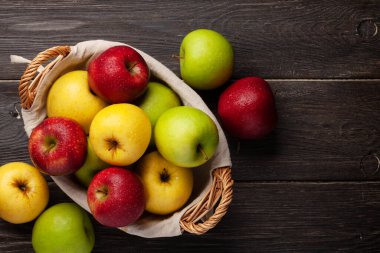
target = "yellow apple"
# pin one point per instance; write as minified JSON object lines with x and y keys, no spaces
{"x":120,"y":134}
{"x":24,"y":192}
{"x":167,"y":186}
{"x":70,"y":96}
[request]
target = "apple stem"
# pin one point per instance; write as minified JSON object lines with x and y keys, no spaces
{"x":131,"y":66}
{"x":101,"y":193}
{"x":203,"y":152}
{"x":51,"y":144}
{"x":177,"y":57}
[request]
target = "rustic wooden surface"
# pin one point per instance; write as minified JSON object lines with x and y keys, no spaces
{"x":312,"y":185}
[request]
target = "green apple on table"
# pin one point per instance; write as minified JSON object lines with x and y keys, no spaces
{"x":70,"y":96}
{"x":206,"y":59}
{"x":186,"y":136}
{"x":92,"y":165}
{"x":157,"y":99}
{"x":24,"y":192}
{"x":120,"y":134}
{"x":64,"y":227}
{"x":167,"y":186}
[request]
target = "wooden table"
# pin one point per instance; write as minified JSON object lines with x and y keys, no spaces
{"x":311,"y":186}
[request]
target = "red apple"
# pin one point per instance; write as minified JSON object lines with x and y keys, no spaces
{"x":247,"y":108}
{"x":118,"y":75}
{"x":116,"y":197}
{"x":58,"y":146}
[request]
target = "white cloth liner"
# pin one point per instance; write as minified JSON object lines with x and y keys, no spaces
{"x":81,"y":54}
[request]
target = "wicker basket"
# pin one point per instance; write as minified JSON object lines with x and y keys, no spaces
{"x":195,"y":220}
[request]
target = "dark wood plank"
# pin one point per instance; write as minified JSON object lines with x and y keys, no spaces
{"x":324,"y":131}
{"x":273,"y":39}
{"x":312,"y":185}
{"x":14,"y":142}
{"x":263,"y":217}
{"x":325,"y":128}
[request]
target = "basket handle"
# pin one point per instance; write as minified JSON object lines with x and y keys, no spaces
{"x":26,"y":90}
{"x":221,"y":188}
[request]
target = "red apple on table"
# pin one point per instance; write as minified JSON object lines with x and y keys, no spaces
{"x":116,"y":197}
{"x":58,"y":146}
{"x":247,"y":109}
{"x":118,"y":75}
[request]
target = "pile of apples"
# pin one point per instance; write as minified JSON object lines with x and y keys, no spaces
{"x":129,"y":140}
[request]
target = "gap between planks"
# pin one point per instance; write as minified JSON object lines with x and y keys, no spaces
{"x":322,"y":80}
{"x":310,"y":182}
{"x":276,"y":80}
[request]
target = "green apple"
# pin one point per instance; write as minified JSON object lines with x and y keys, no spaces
{"x":206,"y":59}
{"x":70,"y":96}
{"x":91,"y":166}
{"x":64,"y":227}
{"x":186,"y":136}
{"x":157,"y":99}
{"x":167,"y":187}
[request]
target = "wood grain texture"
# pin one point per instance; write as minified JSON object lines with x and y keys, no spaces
{"x":263,"y":217}
{"x":312,"y":185}
{"x":273,"y":39}
{"x":325,"y":129}
{"x":14,"y":142}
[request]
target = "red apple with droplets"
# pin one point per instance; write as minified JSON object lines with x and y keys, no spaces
{"x":247,"y":109}
{"x":118,"y":75}
{"x":116,"y":197}
{"x":58,"y":146}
